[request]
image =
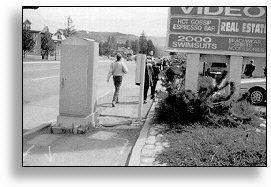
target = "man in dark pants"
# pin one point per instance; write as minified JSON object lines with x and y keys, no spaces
{"x":151,"y":78}
{"x":249,"y":69}
{"x":117,"y":68}
{"x":148,"y":80}
{"x":156,"y":71}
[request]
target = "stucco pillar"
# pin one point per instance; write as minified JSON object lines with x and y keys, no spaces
{"x":235,"y":72}
{"x":192,"y":72}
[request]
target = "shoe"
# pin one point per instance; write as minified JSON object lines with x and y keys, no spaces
{"x":145,"y":102}
{"x":113,"y":104}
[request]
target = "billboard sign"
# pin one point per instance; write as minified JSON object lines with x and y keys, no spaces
{"x":237,"y":31}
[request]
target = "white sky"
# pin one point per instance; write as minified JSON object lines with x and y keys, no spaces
{"x":128,"y":20}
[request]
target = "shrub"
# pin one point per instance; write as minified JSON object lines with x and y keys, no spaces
{"x":210,"y":104}
{"x":180,"y":107}
{"x":208,"y":128}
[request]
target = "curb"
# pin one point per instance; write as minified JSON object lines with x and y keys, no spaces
{"x":37,"y":129}
{"x":136,"y":152}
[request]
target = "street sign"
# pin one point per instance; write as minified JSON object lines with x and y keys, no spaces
{"x":217,"y":44}
{"x":230,"y":12}
{"x":217,"y":30}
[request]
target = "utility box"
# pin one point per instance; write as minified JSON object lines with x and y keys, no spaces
{"x":77,"y":99}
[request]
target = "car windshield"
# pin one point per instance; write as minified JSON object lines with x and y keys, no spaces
{"x":219,"y":65}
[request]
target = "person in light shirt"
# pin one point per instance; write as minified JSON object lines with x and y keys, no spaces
{"x":117,"y":68}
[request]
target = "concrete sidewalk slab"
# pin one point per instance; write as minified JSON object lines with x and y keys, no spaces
{"x":96,"y":148}
{"x":44,"y":139}
{"x":113,"y":121}
{"x":106,"y":146}
{"x":102,"y":135}
{"x":118,"y":111}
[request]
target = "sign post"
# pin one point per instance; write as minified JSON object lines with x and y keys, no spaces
{"x":140,"y":63}
{"x":191,"y":76}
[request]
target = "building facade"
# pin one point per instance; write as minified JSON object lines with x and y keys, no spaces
{"x":38,"y":26}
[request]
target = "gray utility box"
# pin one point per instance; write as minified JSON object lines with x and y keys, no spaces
{"x":77,"y":97}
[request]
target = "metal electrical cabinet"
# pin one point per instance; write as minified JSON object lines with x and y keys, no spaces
{"x":77,"y":78}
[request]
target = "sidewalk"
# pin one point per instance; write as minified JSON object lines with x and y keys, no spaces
{"x":109,"y":144}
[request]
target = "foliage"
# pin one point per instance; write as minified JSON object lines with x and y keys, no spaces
{"x":128,"y":44}
{"x":101,"y":49}
{"x":28,"y":40}
{"x":69,"y":30}
{"x":47,"y":45}
{"x":201,"y":146}
{"x":107,"y":48}
{"x":143,"y":44}
{"x":210,"y":127}
{"x":210,"y":104}
{"x":150,"y":47}
{"x":135,"y":46}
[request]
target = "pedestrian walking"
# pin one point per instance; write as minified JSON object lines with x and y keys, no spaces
{"x":249,"y":69}
{"x":156,"y":72}
{"x":117,"y":68}
{"x":148,"y":79}
{"x":151,"y":77}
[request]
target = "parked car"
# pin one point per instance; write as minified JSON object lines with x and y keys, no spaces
{"x":256,"y":88}
{"x":217,"y":68}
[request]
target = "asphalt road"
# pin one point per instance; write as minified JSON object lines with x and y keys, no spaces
{"x":41,"y":89}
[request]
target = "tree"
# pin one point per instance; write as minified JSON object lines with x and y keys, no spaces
{"x":135,"y":46}
{"x":109,"y":46}
{"x":112,"y":42}
{"x":47,"y":45}
{"x":100,"y":48}
{"x":128,"y":44}
{"x":69,"y":30}
{"x":150,"y":47}
{"x":28,"y":40}
{"x":143,"y":45}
